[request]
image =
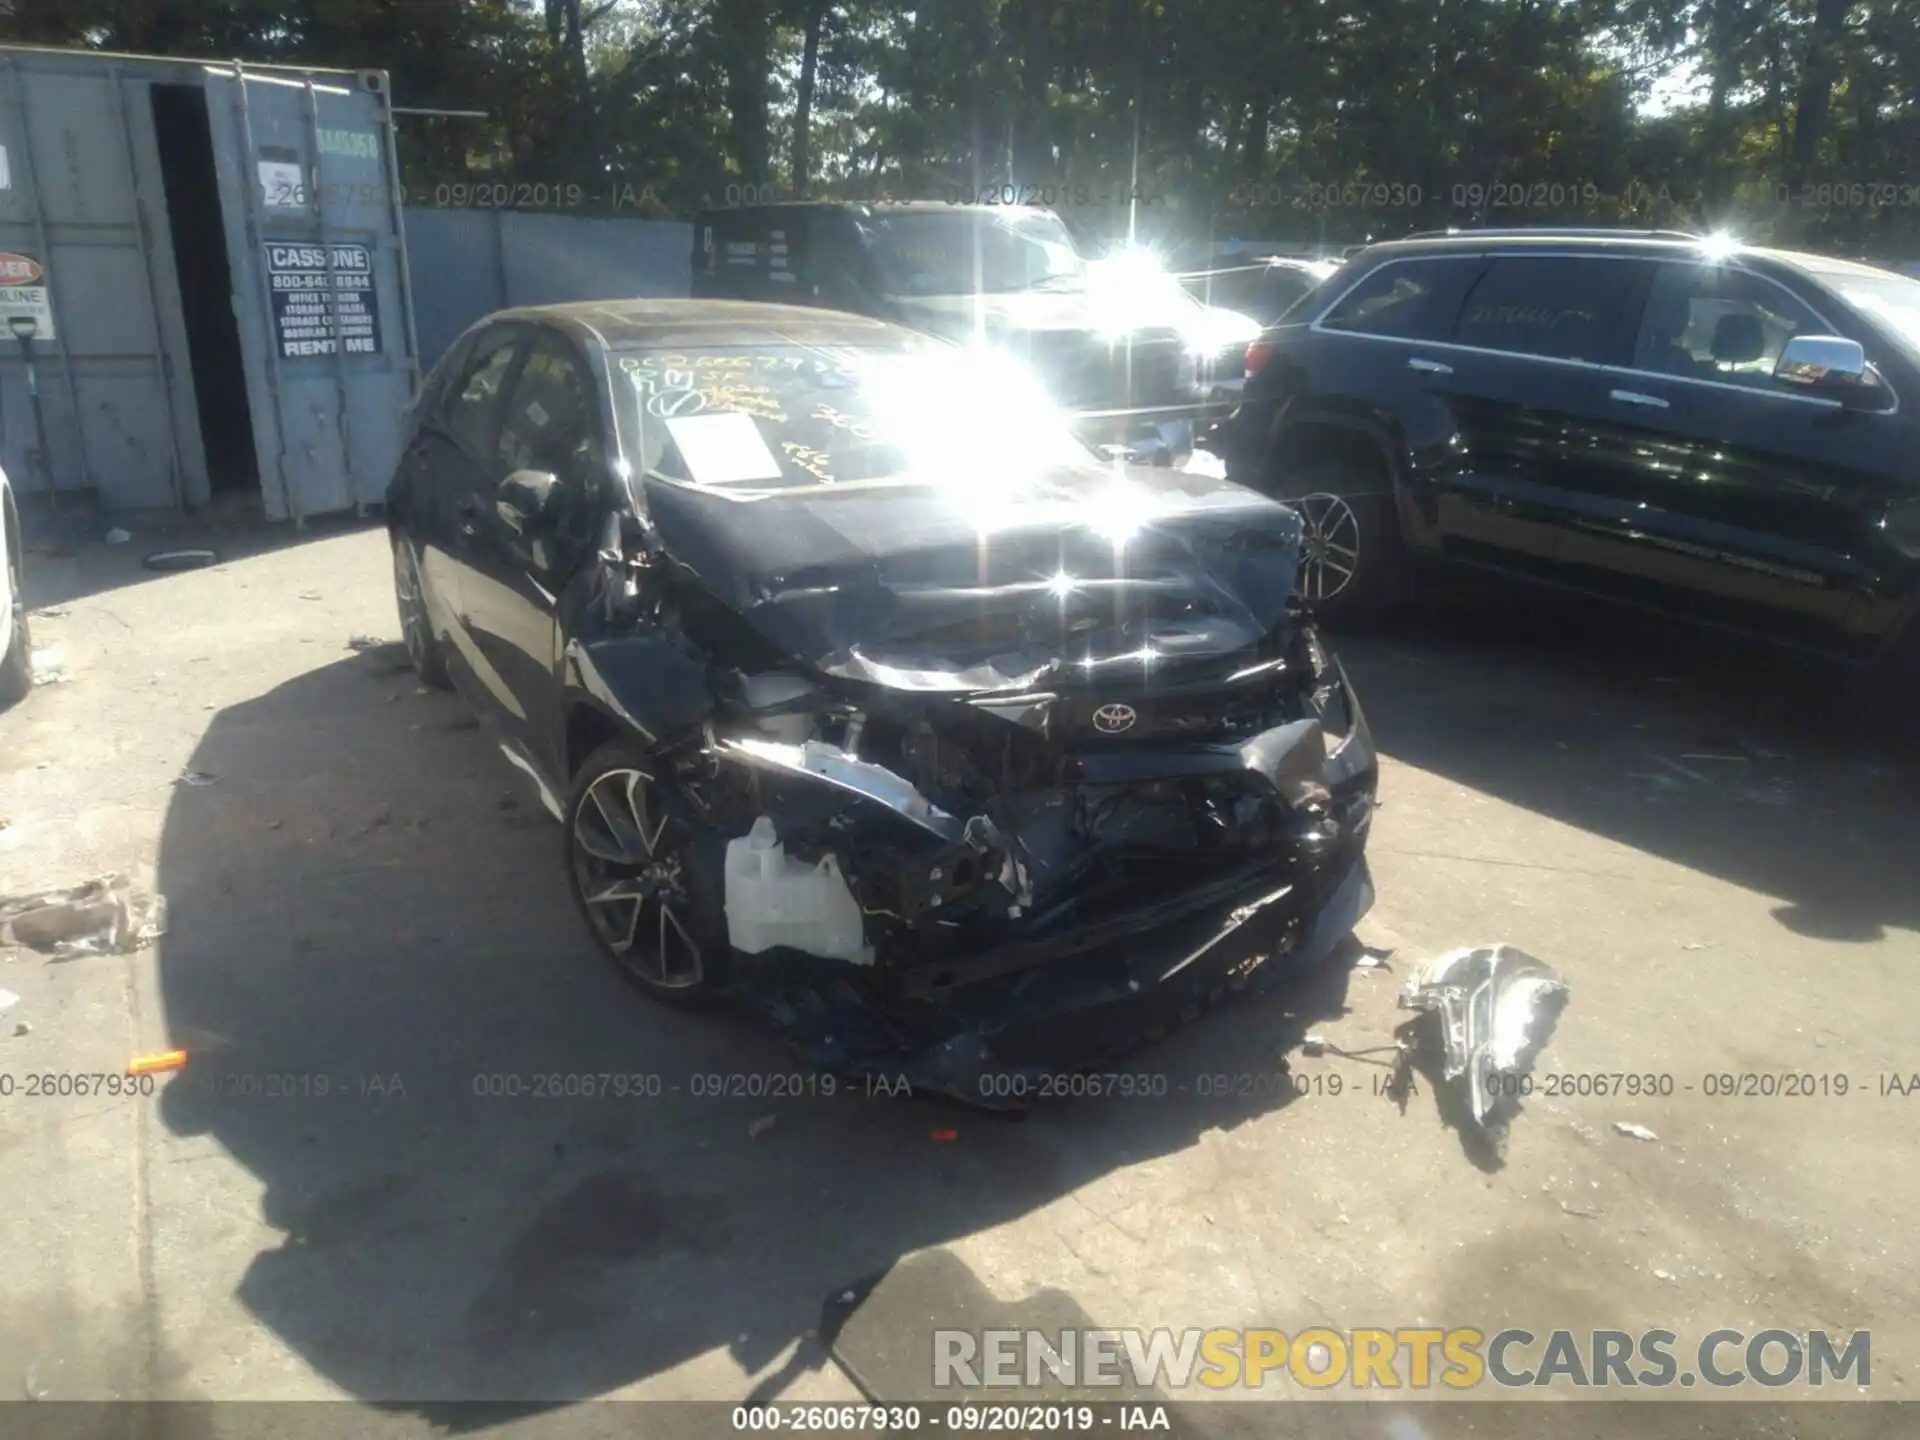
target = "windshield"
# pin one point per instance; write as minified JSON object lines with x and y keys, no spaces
{"x":1890,"y":300}
{"x":753,"y":422}
{"x":925,"y":253}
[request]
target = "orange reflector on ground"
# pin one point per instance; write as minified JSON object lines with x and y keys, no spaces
{"x":154,"y":1064}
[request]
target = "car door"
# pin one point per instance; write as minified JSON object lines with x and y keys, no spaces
{"x":1721,"y":490}
{"x":1352,"y":370}
{"x":459,"y":464}
{"x":446,"y":463}
{"x":551,"y":424}
{"x":1522,"y":379}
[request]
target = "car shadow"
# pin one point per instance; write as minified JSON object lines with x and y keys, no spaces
{"x":371,"y":948}
{"x":1775,"y":771}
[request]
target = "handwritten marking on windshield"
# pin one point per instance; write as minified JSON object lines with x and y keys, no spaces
{"x":815,"y":462}
{"x":841,"y":420}
{"x":757,"y":400}
{"x":669,"y":403}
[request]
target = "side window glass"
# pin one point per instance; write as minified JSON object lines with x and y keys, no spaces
{"x":1713,"y":322}
{"x":473,"y":407}
{"x":1560,"y":307}
{"x":1406,"y":299}
{"x":550,"y":426}
{"x":433,"y":388}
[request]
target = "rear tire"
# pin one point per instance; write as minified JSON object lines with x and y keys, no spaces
{"x":653,"y":898}
{"x":1353,"y":563}
{"x":16,"y":667}
{"x":424,"y":649}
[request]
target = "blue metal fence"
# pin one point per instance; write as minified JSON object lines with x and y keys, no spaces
{"x":467,"y":263}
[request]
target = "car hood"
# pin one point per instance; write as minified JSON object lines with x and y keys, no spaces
{"x":959,"y":317}
{"x":1079,"y":576}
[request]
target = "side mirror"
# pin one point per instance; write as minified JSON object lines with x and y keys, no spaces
{"x":1833,"y":365}
{"x":525,"y":499}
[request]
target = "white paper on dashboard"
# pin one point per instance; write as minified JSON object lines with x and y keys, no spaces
{"x":725,"y":449}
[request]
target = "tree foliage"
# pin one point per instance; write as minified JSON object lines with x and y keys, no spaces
{"x":1792,"y":120}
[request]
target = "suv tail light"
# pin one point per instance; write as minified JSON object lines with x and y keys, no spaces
{"x":1258,"y":353}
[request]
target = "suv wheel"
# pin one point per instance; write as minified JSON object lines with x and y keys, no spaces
{"x":1352,"y":562}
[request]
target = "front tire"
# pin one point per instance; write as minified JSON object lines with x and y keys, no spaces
{"x":1353,"y":567}
{"x":16,"y":666}
{"x":429,"y":657}
{"x":652,"y":899}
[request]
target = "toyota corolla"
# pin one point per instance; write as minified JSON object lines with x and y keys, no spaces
{"x":869,"y":696}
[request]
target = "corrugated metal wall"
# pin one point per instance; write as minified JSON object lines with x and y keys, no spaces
{"x":210,"y":258}
{"x":80,"y":195}
{"x":466,"y":263}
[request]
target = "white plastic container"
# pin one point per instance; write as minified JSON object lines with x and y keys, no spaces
{"x":772,"y":900}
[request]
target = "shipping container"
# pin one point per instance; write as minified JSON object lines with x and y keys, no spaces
{"x":203,"y":280}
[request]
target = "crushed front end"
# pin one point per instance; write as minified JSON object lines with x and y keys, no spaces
{"x":999,"y":766}
{"x":947,"y":886}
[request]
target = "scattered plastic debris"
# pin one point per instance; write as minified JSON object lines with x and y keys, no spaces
{"x":1633,"y":1131}
{"x":361,"y":643}
{"x":760,"y":1127}
{"x":1497,"y":1008}
{"x":22,"y":1028}
{"x":1576,"y":1210}
{"x":1314,"y":1045}
{"x":172,"y":560}
{"x":1371,"y":959}
{"x":117,"y":536}
{"x":1663,"y":1275}
{"x":104,"y":916}
{"x":197,"y":777}
{"x":1693,"y":945}
{"x":51,"y":612}
{"x":158,"y":1063}
{"x":309,"y":594}
{"x":8,"y":999}
{"x":49,"y":667}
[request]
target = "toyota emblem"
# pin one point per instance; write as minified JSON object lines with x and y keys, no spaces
{"x":1114,"y":719}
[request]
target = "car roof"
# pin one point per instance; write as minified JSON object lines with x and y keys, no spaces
{"x":646,"y":323}
{"x":1572,"y":242}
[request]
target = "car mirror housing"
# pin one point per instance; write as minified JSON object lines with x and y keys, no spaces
{"x":1833,"y":365}
{"x":525,"y":498}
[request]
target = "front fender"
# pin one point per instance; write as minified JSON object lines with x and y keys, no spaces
{"x":652,"y":684}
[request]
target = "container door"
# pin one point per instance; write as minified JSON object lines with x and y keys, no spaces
{"x":309,"y":188}
{"x":94,"y":388}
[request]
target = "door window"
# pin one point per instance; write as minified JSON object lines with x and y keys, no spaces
{"x":551,"y":426}
{"x":1714,"y":322}
{"x":1406,"y":299}
{"x":473,"y":411}
{"x":1559,"y":307}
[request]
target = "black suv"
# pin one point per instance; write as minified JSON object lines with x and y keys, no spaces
{"x":1674,"y":421}
{"x":1132,"y":357}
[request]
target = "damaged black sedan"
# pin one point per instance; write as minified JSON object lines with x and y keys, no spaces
{"x":867,"y":694}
